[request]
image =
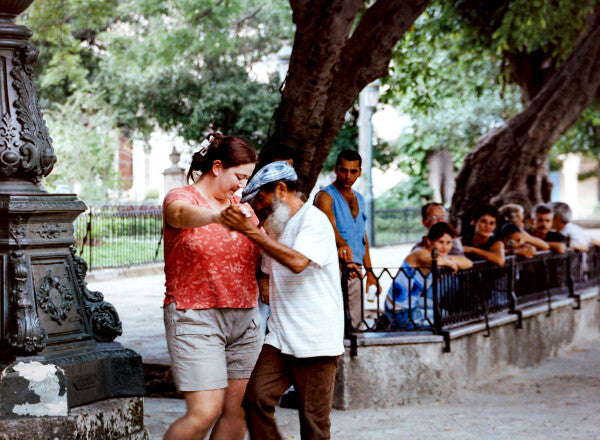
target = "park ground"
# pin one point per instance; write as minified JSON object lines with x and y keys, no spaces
{"x":557,"y":399}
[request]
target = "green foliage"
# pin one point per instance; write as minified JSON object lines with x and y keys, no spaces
{"x":453,"y":93}
{"x":188,"y":66}
{"x":583,"y":137}
{"x":398,"y":226}
{"x":223,"y":99}
{"x":179,"y":65}
{"x":84,"y":140}
{"x":410,"y":194}
{"x":549,"y":26}
{"x":65,"y":33}
{"x":347,"y":139}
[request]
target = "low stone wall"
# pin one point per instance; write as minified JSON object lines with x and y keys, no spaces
{"x":396,"y":369}
{"x":112,"y":419}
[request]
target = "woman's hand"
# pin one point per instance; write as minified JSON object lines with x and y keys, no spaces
{"x":445,"y":261}
{"x":238,"y":218}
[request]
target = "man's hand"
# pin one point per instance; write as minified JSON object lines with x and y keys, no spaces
{"x":263,"y":288}
{"x":345,"y":253}
{"x":372,"y":281}
{"x":234,"y":217}
{"x":469,"y":249}
{"x":353,"y":271}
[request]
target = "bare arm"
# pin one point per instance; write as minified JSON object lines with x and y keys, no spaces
{"x":422,"y":258}
{"x":495,"y":254}
{"x":180,"y":214}
{"x":527,"y":250}
{"x":538,"y":243}
{"x":580,"y":247}
{"x":233,"y":218}
{"x":461,"y":261}
{"x":263,"y":286}
{"x":371,"y":280}
{"x":557,"y":246}
{"x":324,"y":202}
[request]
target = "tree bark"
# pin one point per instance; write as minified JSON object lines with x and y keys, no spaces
{"x":512,"y":160}
{"x":336,"y":53}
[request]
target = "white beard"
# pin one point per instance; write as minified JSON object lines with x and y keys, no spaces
{"x":276,"y":221}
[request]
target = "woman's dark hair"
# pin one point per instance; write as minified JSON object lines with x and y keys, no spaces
{"x":230,"y":150}
{"x":507,"y":229}
{"x":482,"y":210}
{"x":438,"y":230}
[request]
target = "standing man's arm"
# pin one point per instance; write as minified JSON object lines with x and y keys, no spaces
{"x":371,"y":280}
{"x":235,"y":219}
{"x":324,"y":202}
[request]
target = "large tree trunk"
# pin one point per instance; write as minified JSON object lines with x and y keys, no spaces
{"x":512,"y":160}
{"x":333,"y":58}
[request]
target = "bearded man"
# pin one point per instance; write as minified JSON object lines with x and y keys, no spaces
{"x":306,"y":327}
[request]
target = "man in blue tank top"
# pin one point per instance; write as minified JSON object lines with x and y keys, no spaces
{"x":345,"y":209}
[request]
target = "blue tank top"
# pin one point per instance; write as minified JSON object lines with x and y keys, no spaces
{"x":351,"y":229}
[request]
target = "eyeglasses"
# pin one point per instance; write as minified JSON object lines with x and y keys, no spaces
{"x":435,"y":218}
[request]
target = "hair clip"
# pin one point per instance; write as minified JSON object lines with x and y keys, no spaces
{"x":204,"y":147}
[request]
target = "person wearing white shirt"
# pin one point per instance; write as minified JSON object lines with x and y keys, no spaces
{"x":306,"y":328}
{"x":561,"y":222}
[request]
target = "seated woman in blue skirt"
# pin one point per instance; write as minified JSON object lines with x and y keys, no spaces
{"x":409,"y":302}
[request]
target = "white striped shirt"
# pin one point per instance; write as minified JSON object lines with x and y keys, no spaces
{"x":307,"y":318}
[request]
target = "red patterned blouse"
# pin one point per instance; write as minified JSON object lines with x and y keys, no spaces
{"x":210,"y":266}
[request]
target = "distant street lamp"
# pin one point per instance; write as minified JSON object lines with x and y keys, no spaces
{"x":367,"y":102}
{"x":283,"y":62}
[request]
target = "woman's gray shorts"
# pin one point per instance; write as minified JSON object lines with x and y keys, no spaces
{"x":210,"y":346}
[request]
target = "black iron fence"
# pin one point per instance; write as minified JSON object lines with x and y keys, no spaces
{"x":114,"y":236}
{"x":395,"y":226}
{"x":119,"y":236}
{"x":436,"y":300}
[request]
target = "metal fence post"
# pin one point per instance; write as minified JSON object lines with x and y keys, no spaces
{"x":91,"y":241}
{"x":512,"y":296}
{"x":437,"y":315}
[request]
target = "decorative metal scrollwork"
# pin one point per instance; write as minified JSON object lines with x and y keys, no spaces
{"x":18,"y":231}
{"x":31,"y":156}
{"x":26,"y":335}
{"x":103,"y":317}
{"x":52,"y":288}
{"x":52,"y":230}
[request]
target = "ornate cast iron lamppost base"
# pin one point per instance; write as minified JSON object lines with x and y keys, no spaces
{"x":47,"y":314}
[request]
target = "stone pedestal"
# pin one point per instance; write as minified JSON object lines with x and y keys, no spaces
{"x":113,"y":419}
{"x":48,"y":314}
{"x":56,"y":349}
{"x":174,"y":176}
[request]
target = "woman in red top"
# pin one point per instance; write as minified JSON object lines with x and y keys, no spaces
{"x":212,"y":329}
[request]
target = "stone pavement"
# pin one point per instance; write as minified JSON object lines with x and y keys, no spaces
{"x":139,"y":299}
{"x":559,"y":399}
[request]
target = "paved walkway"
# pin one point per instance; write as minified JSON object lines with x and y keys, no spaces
{"x":139,"y":299}
{"x":557,"y":400}
{"x":560,"y":399}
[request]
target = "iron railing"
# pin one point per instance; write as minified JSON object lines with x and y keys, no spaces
{"x":445,"y":300}
{"x":112,"y":236}
{"x":396,"y":226}
{"x":119,"y":236}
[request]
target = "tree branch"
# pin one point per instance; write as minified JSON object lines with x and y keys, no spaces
{"x":510,"y":158}
{"x":369,"y":51}
{"x":248,"y":17}
{"x":208,"y":11}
